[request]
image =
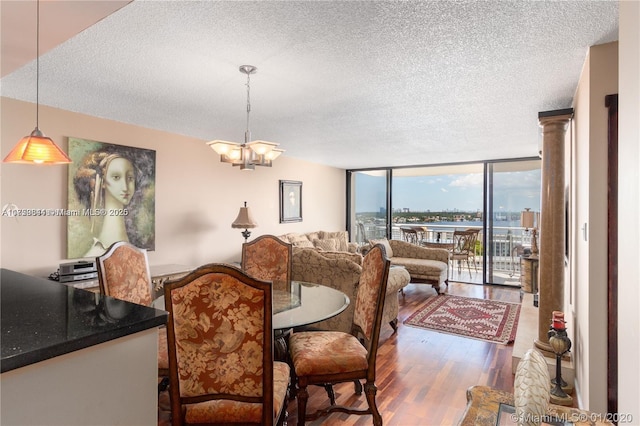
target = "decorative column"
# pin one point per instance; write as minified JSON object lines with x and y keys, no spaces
{"x":552,"y":218}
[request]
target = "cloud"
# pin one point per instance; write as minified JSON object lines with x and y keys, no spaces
{"x":444,"y":190}
{"x":470,"y":180}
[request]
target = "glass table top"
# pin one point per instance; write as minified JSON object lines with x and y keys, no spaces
{"x":298,"y":303}
{"x":301,"y":303}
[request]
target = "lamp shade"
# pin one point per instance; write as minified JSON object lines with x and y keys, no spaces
{"x":245,"y":219}
{"x":526,"y":219}
{"x":223,"y":147}
{"x":37,"y":149}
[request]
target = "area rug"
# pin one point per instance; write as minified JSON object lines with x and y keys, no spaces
{"x":481,"y":319}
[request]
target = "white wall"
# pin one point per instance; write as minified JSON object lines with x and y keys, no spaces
{"x":599,"y":78}
{"x":629,"y":206}
{"x":197,"y":196}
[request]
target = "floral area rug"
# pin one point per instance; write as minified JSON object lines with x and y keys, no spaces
{"x":482,"y":319}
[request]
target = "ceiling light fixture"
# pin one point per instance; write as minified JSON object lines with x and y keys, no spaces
{"x":250,"y":153}
{"x":37,"y":148}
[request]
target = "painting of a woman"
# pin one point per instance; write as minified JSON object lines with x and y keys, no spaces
{"x":112,"y":188}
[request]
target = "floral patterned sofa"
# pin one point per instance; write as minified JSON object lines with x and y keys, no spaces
{"x":341,"y":270}
{"x":321,"y":240}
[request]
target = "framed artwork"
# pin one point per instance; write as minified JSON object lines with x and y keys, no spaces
{"x":290,"y":201}
{"x":111,"y":193}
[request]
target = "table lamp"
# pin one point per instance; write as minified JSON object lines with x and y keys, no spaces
{"x":245,"y":220}
{"x":528,"y":221}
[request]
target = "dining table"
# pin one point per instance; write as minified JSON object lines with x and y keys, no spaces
{"x":297,"y":304}
{"x":300,"y":303}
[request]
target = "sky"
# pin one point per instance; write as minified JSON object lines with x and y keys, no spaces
{"x":513,"y":191}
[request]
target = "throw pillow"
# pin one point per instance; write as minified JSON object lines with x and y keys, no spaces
{"x":303,"y":243}
{"x":312,"y":236}
{"x":328,"y":244}
{"x":385,"y":243}
{"x":341,"y":236}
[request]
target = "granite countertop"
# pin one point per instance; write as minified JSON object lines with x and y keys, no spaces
{"x":41,"y":319}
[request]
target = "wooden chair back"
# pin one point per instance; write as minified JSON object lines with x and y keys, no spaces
{"x":367,"y":316}
{"x":220,"y":345}
{"x":123,"y":273}
{"x":267,"y":258}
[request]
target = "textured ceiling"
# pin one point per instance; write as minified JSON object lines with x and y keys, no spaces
{"x":348,"y":84}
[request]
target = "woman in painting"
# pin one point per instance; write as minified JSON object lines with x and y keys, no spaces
{"x":105,"y":184}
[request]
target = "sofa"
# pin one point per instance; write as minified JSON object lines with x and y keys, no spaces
{"x":425,"y":265}
{"x":321,"y":240}
{"x":341,"y":270}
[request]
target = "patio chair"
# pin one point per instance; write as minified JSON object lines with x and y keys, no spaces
{"x":464,"y":246}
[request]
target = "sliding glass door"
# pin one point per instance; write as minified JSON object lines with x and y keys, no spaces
{"x":512,"y":187}
{"x":425,"y":205}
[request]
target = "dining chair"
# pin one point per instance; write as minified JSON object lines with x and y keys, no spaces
{"x":267,"y":258}
{"x":221,"y":365}
{"x":464,"y":245}
{"x":329,"y":357}
{"x":123,"y":273}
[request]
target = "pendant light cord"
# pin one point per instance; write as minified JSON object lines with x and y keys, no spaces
{"x":248,"y":101}
{"x":37,"y":63}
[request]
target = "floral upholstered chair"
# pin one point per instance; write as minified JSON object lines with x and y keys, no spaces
{"x":327,"y":357}
{"x":123,"y":273}
{"x":267,"y":258}
{"x":221,"y":349}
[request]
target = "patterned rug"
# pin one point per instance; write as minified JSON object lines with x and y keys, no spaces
{"x":482,"y":319}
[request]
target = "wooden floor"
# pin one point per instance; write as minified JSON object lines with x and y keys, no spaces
{"x":422,"y":375}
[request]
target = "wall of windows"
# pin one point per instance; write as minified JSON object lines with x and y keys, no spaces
{"x":435,"y":201}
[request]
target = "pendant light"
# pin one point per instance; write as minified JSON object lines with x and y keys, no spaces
{"x":37,"y":148}
{"x":250,"y":153}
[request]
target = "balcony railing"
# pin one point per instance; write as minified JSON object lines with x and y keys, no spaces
{"x":505,"y":246}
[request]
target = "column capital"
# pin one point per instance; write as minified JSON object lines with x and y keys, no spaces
{"x":555,"y":117}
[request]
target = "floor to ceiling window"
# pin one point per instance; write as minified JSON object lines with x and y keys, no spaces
{"x":369,"y":204}
{"x":425,"y":205}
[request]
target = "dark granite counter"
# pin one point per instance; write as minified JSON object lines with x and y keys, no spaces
{"x":41,"y":319}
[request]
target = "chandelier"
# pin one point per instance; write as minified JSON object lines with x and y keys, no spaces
{"x":250,"y":153}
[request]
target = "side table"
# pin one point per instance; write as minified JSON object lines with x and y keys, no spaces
{"x":483,"y":407}
{"x":529,"y":274}
{"x":163,"y":273}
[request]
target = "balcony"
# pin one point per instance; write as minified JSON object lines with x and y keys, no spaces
{"x":505,"y":247}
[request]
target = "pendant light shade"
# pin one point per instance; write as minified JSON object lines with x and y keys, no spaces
{"x":37,"y":148}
